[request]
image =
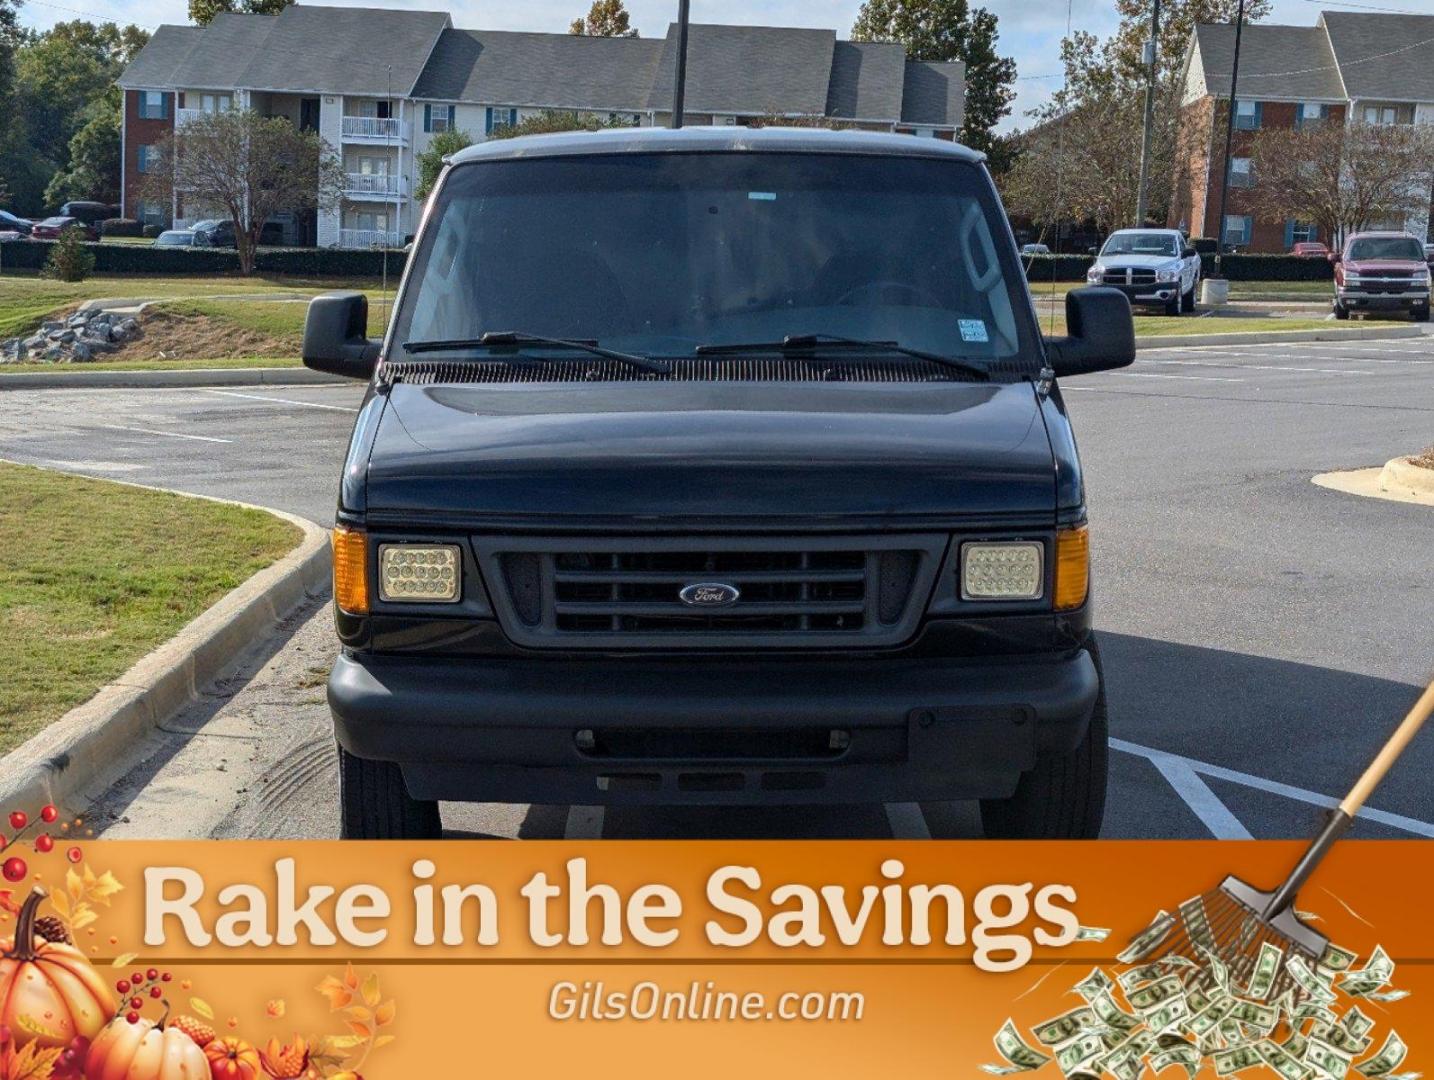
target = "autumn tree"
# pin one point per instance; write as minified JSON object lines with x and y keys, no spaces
{"x":944,"y":30}
{"x":202,"y":12}
{"x":551,"y":121}
{"x":430,"y":162}
{"x":606,"y":18}
{"x":1341,"y":177}
{"x":247,"y":166}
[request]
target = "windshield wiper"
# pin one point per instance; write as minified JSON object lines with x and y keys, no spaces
{"x":799,"y":343}
{"x":498,"y":339}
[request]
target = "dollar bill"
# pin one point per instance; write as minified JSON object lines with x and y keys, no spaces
{"x":1261,"y":1017}
{"x":1376,"y":973}
{"x":1152,"y":996}
{"x":1197,"y":999}
{"x":1197,"y":923}
{"x":1355,"y":1022}
{"x":1236,"y":1059}
{"x":1295,"y":1044}
{"x":1335,"y":958}
{"x":1308,"y":981}
{"x":1079,"y":1052}
{"x":1112,"y":1015}
{"x":1094,"y":984}
{"x":1142,"y":974}
{"x":1168,"y":1015}
{"x":1282,"y":1061}
{"x":1339,"y":1037}
{"x":1267,"y":966}
{"x":1391,"y":1055}
{"x":1328,"y":1060}
{"x":1067,"y":1026}
{"x":1092,"y":933}
{"x":1186,"y":1056}
{"x":1217,"y":969}
{"x":1148,"y":940}
{"x":1313,"y":1010}
{"x":1386,"y":995}
{"x":1021,"y":1057}
{"x":1208,"y":1019}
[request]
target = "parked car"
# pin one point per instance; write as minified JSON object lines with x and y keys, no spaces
{"x":91,"y":213}
{"x":51,"y":227}
{"x":214,"y":233}
{"x":1151,"y":266}
{"x":1035,"y":249}
{"x":175,"y":238}
{"x":1381,"y":271}
{"x":10,"y":223}
{"x":1429,"y":253}
{"x":789,"y":417}
{"x":1310,"y":249}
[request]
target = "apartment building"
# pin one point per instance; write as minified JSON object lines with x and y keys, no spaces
{"x":378,"y":84}
{"x":1349,"y":67}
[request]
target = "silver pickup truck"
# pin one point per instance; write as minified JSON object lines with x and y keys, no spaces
{"x":1151,"y":266}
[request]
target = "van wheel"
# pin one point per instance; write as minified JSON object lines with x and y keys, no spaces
{"x":1421,"y":313}
{"x":1187,"y":300}
{"x":1063,"y":797}
{"x":374,"y":803}
{"x":1174,"y":305}
{"x":1340,"y":311}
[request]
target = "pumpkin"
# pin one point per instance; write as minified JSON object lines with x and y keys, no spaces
{"x":145,"y":1050}
{"x":232,"y":1059}
{"x":49,"y":993}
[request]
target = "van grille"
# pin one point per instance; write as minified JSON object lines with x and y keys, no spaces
{"x":1129,"y":276}
{"x":625,"y":593}
{"x":583,"y":369}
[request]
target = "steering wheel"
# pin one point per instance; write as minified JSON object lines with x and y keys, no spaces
{"x":918,"y":297}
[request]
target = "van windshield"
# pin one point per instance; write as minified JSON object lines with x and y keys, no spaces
{"x":660,"y":254}
{"x":1141,"y":243}
{"x":1401,"y":248}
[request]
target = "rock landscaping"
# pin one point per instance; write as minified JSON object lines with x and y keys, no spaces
{"x":77,"y":339}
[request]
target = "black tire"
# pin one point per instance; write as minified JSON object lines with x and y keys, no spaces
{"x":1187,"y":300}
{"x":374,"y":804}
{"x":1063,"y":797}
{"x":1340,"y":311}
{"x":1174,"y":305}
{"x":1421,"y":313}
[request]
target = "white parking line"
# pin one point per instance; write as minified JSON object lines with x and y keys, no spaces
{"x":1154,"y":375}
{"x":1274,"y":787}
{"x":1213,"y":814}
{"x":281,"y":401}
{"x":169,"y":434}
{"x":907,"y":821}
{"x":584,"y":823}
{"x":1257,"y":367}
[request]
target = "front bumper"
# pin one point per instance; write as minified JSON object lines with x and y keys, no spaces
{"x":1375,"y":299}
{"x":1161,"y":292}
{"x":724,"y":730}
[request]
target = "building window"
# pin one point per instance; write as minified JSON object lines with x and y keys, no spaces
{"x":438,"y":118}
{"x":215,"y":103}
{"x":151,"y":212}
{"x":1300,"y":232}
{"x":1240,"y":172}
{"x":499,"y":118}
{"x":1238,"y":228}
{"x":1247,"y":115}
{"x":145,"y":159}
{"x":1387,"y":114}
{"x":1311,"y":113}
{"x":153,"y":105}
{"x":625,"y":119}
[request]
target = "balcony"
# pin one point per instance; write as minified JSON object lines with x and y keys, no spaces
{"x":374,"y":186}
{"x":184,"y":116}
{"x":374,"y":129}
{"x":369,"y":238}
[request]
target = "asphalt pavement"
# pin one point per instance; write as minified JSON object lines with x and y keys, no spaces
{"x":1261,"y":634}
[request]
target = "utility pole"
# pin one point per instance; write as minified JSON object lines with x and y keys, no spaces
{"x":1151,"y":56}
{"x":1229,"y":139}
{"x":679,"y":84}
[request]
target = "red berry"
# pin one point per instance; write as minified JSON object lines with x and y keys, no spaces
{"x":122,"y":986}
{"x":132,"y":1017}
{"x":48,"y":813}
{"x":155,"y":991}
{"x":15,"y":869}
{"x":3,"y":841}
{"x":166,"y":977}
{"x":137,"y":978}
{"x":74,"y":854}
{"x":136,"y":1003}
{"x":44,"y":843}
{"x":152,"y":974}
{"x":18,"y":820}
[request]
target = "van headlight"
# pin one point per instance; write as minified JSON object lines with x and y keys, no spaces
{"x":1166,"y":275}
{"x":1002,"y":570}
{"x":1094,"y":274}
{"x":420,"y":573}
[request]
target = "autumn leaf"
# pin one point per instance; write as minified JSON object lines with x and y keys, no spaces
{"x":7,"y":902}
{"x":351,"y":979}
{"x":123,"y":960}
{"x":202,"y":1007}
{"x":32,"y":1063}
{"x":61,"y":903}
{"x":103,"y":888}
{"x":371,"y":994}
{"x":84,"y":915}
{"x":338,"y":994}
{"x":276,"y":1008}
{"x":359,"y":1013}
{"x":74,"y":885}
{"x":26,"y":1022}
{"x":363,"y":1031}
{"x":384,"y":1014}
{"x":383,"y":1040}
{"x":334,"y":1044}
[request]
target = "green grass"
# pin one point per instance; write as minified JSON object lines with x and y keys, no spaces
{"x":276,"y":318}
{"x":1161,"y":325}
{"x":1307,"y":291}
{"x":156,"y":365}
{"x":94,"y":574}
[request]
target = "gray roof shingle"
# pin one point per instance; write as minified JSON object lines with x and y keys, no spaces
{"x":1383,"y":56}
{"x":558,"y":71}
{"x":229,"y":45}
{"x":157,"y":62}
{"x":935,"y":93}
{"x":1292,"y":62}
{"x":867,"y":80}
{"x":751,"y":70}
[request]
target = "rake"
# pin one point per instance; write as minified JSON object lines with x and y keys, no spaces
{"x":1233,"y":922}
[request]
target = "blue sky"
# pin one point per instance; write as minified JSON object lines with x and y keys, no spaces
{"x":1031,"y":30}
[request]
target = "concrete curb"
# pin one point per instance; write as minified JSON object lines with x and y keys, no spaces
{"x":95,"y":743}
{"x":1402,"y":475}
{"x":1268,"y":337}
{"x":158,"y":378}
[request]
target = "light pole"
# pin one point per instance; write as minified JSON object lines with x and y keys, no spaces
{"x":1151,"y":60}
{"x":1229,"y":139}
{"x":679,"y":84}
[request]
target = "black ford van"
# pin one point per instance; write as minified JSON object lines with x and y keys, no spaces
{"x":716,"y":466}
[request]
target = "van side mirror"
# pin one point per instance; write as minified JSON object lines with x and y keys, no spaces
{"x":1100,"y":333}
{"x":1334,"y":256}
{"x":1187,"y":252}
{"x":336,"y":337}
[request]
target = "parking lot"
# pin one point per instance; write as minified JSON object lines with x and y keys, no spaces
{"x":1261,"y":634}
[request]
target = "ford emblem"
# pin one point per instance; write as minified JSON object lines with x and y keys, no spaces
{"x":709,"y":594}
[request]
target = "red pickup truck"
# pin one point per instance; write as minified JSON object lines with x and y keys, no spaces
{"x":1381,"y":271}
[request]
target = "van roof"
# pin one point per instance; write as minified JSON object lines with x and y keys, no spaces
{"x":715,"y":140}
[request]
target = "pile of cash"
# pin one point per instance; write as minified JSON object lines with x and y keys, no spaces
{"x":1301,"y":1019}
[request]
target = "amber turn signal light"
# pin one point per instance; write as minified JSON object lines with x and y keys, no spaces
{"x":1072,"y":567}
{"x":351,"y":570}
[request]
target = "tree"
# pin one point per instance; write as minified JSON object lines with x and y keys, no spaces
{"x":70,"y":259}
{"x":250,"y":167}
{"x":94,"y":170}
{"x":1342,"y":177}
{"x":430,"y":162}
{"x":950,"y":30}
{"x":550,"y":121}
{"x":606,"y":18}
{"x":202,"y":12}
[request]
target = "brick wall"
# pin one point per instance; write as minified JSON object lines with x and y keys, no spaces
{"x":140,"y":132}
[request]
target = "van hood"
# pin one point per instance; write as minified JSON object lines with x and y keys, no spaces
{"x":606,"y":452}
{"x":1137,"y":262}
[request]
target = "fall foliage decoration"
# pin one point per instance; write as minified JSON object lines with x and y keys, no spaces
{"x":145,"y":1050}
{"x":49,"y":991}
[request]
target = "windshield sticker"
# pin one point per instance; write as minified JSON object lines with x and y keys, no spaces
{"x":762,"y":196}
{"x":973,"y":330}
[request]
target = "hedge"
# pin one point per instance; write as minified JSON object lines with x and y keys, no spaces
{"x":121,"y":227}
{"x":139,"y":259}
{"x":1056,"y":267}
{"x":1237,"y":267}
